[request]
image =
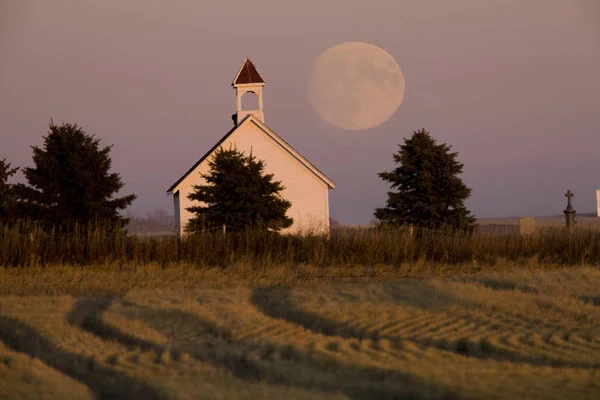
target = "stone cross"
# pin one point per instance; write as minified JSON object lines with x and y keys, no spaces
{"x":569,"y":211}
{"x":568,"y":195}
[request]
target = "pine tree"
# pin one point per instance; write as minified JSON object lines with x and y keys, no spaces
{"x":6,"y":191}
{"x":429,"y":193}
{"x":238,"y":195}
{"x":71,"y":182}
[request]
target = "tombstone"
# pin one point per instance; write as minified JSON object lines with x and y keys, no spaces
{"x":569,"y":211}
{"x":526,"y":226}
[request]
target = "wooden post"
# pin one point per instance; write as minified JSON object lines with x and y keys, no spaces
{"x":224,"y":229}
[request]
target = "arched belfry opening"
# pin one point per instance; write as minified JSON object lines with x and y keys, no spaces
{"x":250,"y":101}
{"x":248,"y":86}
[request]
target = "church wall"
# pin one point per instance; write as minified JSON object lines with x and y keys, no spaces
{"x":307,"y":193}
{"x":176,"y":204}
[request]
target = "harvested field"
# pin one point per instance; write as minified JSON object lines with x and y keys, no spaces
{"x":527,"y":334}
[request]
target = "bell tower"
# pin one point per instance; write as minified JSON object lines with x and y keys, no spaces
{"x":248,"y":81}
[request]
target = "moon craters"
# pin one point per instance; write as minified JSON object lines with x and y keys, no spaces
{"x":356,"y":86}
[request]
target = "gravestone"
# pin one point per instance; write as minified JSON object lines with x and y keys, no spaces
{"x":569,"y":211}
{"x":526,"y":226}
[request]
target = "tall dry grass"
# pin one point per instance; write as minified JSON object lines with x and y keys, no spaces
{"x":26,"y":245}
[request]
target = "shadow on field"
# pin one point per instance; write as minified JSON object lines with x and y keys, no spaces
{"x":277,"y":302}
{"x":500,"y":285}
{"x":104,"y":382}
{"x":86,"y":314}
{"x":594,"y":300}
{"x":260,"y":362}
{"x":422,"y":294}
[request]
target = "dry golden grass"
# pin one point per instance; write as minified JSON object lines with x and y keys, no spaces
{"x":25,"y":377}
{"x":26,"y":245}
{"x":306,"y":332}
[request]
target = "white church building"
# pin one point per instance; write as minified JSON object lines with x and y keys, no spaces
{"x":306,"y":187}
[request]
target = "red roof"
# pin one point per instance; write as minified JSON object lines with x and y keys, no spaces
{"x":247,"y":74}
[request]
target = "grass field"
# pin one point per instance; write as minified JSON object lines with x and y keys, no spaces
{"x":507,"y":225}
{"x":27,"y":245}
{"x":512,"y":332}
{"x":585,"y":221}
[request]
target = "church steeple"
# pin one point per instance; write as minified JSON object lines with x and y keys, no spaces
{"x":248,"y":80}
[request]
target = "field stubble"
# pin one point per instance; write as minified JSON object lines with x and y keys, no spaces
{"x":309,"y":332}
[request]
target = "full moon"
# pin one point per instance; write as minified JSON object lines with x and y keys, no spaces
{"x":356,"y":86}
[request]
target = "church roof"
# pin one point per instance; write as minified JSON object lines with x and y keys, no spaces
{"x":247,"y":74}
{"x":274,"y":136}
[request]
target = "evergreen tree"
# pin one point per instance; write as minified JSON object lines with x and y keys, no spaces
{"x":71,"y":182}
{"x":237,"y":194}
{"x":429,"y":193}
{"x":6,"y":191}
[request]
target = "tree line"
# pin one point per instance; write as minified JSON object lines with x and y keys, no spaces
{"x":71,"y":183}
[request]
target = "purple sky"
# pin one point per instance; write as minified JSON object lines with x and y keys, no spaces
{"x":513,"y":85}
